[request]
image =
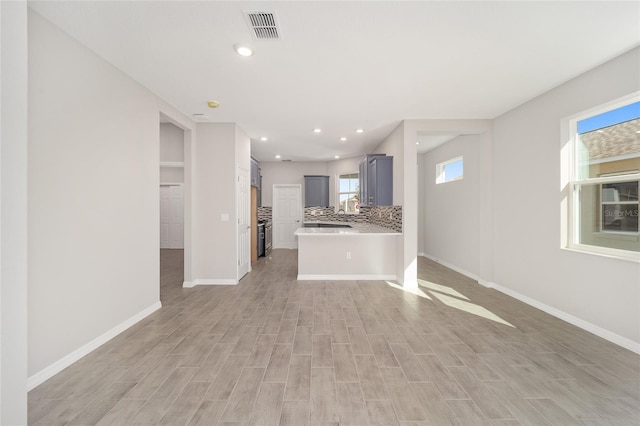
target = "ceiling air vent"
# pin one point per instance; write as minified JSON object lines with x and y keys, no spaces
{"x":264,"y":25}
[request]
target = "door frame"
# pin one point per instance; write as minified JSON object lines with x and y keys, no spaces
{"x":274,"y":205}
{"x":171,"y":116}
{"x":247,"y":203}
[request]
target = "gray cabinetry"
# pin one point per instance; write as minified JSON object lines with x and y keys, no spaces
{"x":255,"y":173}
{"x":376,"y":180}
{"x":256,"y":179}
{"x":316,"y":191}
{"x":381,"y":181}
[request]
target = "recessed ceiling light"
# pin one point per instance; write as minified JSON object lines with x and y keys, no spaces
{"x":600,"y":131}
{"x":359,"y":130}
{"x":213,"y":104}
{"x":243,"y":49}
{"x":277,"y":155}
{"x":343,"y":139}
{"x":336,"y":156}
{"x":264,"y":139}
{"x":417,"y":143}
{"x":317,"y":130}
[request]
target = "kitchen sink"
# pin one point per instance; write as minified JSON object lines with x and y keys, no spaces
{"x":326,"y":225}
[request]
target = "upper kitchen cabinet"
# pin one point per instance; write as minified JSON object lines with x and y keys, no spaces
{"x":316,"y":191}
{"x":376,"y":180}
{"x":256,"y":179}
{"x":255,"y":173}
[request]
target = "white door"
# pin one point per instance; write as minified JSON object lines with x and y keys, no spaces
{"x":171,"y":217}
{"x":287,"y":215}
{"x":244,"y":224}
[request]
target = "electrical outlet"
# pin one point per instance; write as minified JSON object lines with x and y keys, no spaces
{"x":313,"y":212}
{"x":348,"y":255}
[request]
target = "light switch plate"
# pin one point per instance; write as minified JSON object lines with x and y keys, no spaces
{"x":224,"y":217}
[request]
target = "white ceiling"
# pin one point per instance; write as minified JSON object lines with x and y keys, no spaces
{"x":346,"y":65}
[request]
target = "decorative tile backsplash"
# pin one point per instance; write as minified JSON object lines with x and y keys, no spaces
{"x":386,"y":216}
{"x":265,"y":213}
{"x":320,"y":213}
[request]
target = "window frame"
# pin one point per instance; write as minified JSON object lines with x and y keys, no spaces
{"x":338,"y":193}
{"x":440,"y":170}
{"x":571,"y":181}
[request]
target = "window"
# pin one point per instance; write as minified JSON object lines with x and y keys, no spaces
{"x":604,"y":181}
{"x":349,"y":193}
{"x":449,"y":171}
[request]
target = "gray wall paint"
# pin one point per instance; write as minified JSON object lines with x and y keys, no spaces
{"x":93,"y":196}
{"x":517,"y":164}
{"x":452,"y":210}
{"x":171,"y":150}
{"x":214,"y":195}
{"x":278,"y":172}
{"x":13,"y":216}
{"x":528,"y":258}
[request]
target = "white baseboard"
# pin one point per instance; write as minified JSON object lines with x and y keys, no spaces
{"x":53,"y":369}
{"x":206,"y":281}
{"x":451,"y":266}
{"x":585,"y":325}
{"x":346,"y":277}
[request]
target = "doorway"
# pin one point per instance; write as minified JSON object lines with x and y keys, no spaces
{"x":173,"y":199}
{"x":171,"y":216}
{"x":287,"y":215}
{"x":244,"y":223}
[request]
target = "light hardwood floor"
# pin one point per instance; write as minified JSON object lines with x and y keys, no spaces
{"x":272,"y":351}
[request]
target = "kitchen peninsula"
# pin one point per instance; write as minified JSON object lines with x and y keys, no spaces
{"x":346,"y":251}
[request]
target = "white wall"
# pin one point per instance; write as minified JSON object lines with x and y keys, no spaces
{"x":421,"y":205}
{"x":281,"y":172}
{"x":323,"y":257}
{"x":451,"y":217}
{"x":401,"y":144}
{"x":516,"y":161}
{"x":600,"y":291}
{"x":479,"y":151}
{"x":214,"y":187}
{"x":93,"y":192}
{"x":13,"y":213}
{"x":171,"y":150}
{"x":171,"y":142}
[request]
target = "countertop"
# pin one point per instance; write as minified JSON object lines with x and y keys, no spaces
{"x":356,"y":229}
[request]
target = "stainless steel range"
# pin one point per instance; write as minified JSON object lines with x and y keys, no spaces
{"x":268,"y":228}
{"x":264,"y":237}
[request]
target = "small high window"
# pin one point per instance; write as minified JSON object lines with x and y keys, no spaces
{"x":451,"y":170}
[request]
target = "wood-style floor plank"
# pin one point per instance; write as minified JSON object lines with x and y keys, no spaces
{"x":276,"y":351}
